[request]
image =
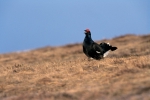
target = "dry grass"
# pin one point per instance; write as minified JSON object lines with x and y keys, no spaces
{"x":64,"y":73}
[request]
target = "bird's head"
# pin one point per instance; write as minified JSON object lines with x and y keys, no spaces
{"x":87,"y":32}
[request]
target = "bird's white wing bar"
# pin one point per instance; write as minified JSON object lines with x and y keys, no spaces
{"x":98,"y":52}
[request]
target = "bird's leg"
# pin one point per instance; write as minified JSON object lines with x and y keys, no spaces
{"x":90,"y":59}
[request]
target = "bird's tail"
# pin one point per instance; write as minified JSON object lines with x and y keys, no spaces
{"x":113,"y":48}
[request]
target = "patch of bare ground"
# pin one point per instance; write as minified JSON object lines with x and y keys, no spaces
{"x":64,"y":73}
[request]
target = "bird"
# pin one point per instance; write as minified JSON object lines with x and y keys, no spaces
{"x":94,"y":50}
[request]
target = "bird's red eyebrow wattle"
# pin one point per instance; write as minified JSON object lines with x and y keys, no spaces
{"x":87,"y":30}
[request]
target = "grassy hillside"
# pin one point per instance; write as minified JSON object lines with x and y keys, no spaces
{"x":64,"y":73}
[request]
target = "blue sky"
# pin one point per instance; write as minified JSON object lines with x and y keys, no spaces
{"x":30,"y":24}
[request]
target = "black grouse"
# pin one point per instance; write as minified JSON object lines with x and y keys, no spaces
{"x":93,"y":50}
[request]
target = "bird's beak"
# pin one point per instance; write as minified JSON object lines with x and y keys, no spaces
{"x":85,"y":32}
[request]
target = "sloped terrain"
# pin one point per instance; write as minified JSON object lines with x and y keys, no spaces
{"x":64,"y":73}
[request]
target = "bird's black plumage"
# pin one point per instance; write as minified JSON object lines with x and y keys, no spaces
{"x":93,"y":50}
